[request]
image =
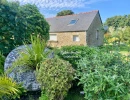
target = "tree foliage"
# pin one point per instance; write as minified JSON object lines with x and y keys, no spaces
{"x":2,"y":59}
{"x":118,"y":21}
{"x":18,"y":22}
{"x":65,"y":12}
{"x":120,"y":35}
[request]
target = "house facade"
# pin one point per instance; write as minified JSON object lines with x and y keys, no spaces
{"x":78,"y":29}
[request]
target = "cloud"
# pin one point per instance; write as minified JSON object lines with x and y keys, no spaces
{"x":59,"y":4}
{"x":49,"y":8}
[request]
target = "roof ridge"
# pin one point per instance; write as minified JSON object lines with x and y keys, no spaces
{"x":74,"y":14}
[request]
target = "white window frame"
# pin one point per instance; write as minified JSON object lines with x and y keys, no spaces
{"x":53,"y":37}
{"x":76,"y":38}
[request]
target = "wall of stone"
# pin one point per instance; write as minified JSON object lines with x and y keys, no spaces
{"x":66,"y":38}
{"x":92,"y":39}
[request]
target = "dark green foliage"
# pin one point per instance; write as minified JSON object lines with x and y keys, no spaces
{"x":74,"y":94}
{"x":55,"y":76}
{"x":74,"y":53}
{"x":18,"y":23}
{"x":2,"y":59}
{"x":104,"y":76}
{"x":118,"y":21}
{"x":65,"y":12}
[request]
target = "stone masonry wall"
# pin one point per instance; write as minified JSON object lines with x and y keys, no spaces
{"x":91,"y":33}
{"x":66,"y":38}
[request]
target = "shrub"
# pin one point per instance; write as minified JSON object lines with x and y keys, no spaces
{"x":9,"y":89}
{"x":74,"y":53}
{"x":43,"y":96}
{"x":104,"y":76}
{"x":2,"y":59}
{"x":55,"y":76}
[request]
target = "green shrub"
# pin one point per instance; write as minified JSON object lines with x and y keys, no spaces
{"x":43,"y":96}
{"x":104,"y":76}
{"x":74,"y":53}
{"x":55,"y":76}
{"x":2,"y":59}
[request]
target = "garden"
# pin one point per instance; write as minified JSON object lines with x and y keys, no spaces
{"x":66,"y":73}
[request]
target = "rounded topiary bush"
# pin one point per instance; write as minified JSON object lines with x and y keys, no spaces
{"x":55,"y":76}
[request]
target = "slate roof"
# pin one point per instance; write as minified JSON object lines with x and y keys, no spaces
{"x":61,"y":23}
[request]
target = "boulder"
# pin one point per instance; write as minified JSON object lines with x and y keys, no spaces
{"x":27,"y":78}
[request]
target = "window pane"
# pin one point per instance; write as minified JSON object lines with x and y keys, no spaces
{"x":53,"y":37}
{"x":75,"y":38}
{"x":97,"y":34}
{"x":72,"y":22}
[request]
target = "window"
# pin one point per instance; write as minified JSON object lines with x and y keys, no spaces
{"x":74,"y":21}
{"x":75,"y":38}
{"x":53,"y":37}
{"x":97,"y":34}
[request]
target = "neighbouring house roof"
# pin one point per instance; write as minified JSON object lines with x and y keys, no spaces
{"x":70,"y":23}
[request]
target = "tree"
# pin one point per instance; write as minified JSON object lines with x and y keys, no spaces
{"x":118,"y":21}
{"x":65,"y":12}
{"x":18,"y":23}
{"x":126,"y":35}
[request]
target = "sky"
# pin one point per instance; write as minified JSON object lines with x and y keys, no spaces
{"x":107,"y":8}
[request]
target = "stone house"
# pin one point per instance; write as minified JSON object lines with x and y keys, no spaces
{"x":77,"y":29}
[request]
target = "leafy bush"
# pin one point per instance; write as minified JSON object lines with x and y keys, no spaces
{"x":2,"y":59}
{"x":104,"y":76}
{"x":18,"y":22}
{"x":55,"y":76}
{"x":74,"y":53}
{"x":9,"y":89}
{"x":43,"y":96}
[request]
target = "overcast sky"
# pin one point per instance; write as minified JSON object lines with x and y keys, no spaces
{"x":107,"y":8}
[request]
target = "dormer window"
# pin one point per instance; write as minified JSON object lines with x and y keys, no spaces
{"x":72,"y":22}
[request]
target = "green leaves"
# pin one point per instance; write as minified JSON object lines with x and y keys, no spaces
{"x":2,"y":59}
{"x":32,"y":56}
{"x":55,"y":76}
{"x":65,"y":12}
{"x":118,"y":21}
{"x":74,"y":53}
{"x":104,"y":76}
{"x":9,"y":89}
{"x":20,"y":22}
